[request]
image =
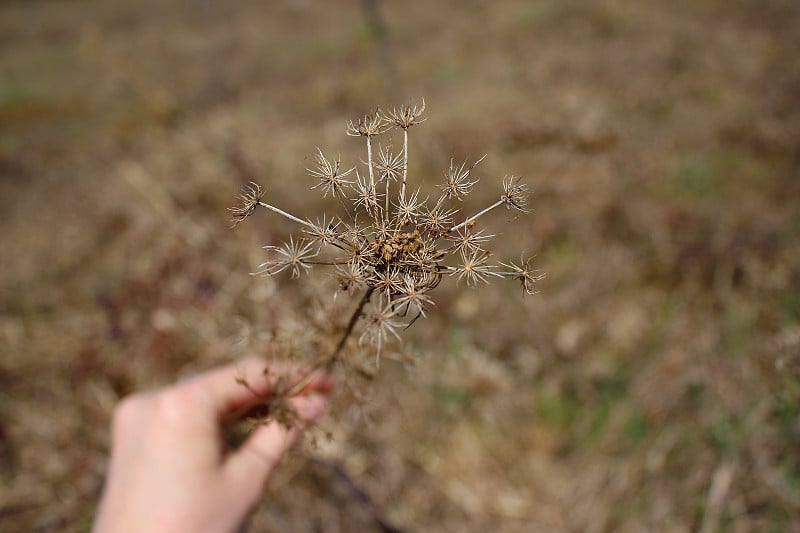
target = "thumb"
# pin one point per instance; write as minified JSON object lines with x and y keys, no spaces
{"x":252,"y":464}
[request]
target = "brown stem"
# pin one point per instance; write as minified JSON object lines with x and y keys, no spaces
{"x":350,"y":325}
{"x":328,"y":361}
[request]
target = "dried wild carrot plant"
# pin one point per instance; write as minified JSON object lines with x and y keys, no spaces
{"x":392,"y":247}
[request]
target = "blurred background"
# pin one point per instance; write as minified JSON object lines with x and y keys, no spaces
{"x":651,"y":385}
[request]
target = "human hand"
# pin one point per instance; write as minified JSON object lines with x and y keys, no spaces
{"x":170,"y":470}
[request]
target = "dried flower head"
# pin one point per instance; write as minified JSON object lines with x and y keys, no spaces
{"x":457,"y":180}
{"x":409,"y":208}
{"x":323,"y":232}
{"x":390,"y":166}
{"x":414,"y":296}
{"x":524,"y":273}
{"x":468,"y":241}
{"x":292,"y":255}
{"x":406,"y":116}
{"x":332,"y":179}
{"x":392,"y":247}
{"x":367,"y":126}
{"x":249,"y":198}
{"x":515,"y":194}
{"x":474,"y":267}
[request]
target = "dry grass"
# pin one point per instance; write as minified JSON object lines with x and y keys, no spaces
{"x":651,"y":385}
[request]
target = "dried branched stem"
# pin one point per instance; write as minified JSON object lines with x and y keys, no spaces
{"x":395,"y":251}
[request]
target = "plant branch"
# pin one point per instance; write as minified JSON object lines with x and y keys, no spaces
{"x":328,"y":361}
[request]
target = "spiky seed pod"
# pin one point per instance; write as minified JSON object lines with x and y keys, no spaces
{"x":409,"y":209}
{"x":474,"y":268}
{"x":457,"y":180}
{"x":388,"y":281}
{"x":292,"y":255}
{"x":525,"y":274}
{"x":332,"y":179}
{"x":413,"y":295}
{"x":323,"y":232}
{"x":366,"y":195}
{"x":351,"y":277}
{"x":406,"y":116}
{"x":437,"y":220}
{"x":249,"y":198}
{"x":390,"y":166}
{"x":468,"y":241}
{"x":515,"y":194}
{"x":367,"y":126}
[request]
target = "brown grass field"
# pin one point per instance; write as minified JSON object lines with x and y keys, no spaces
{"x":653,"y":384}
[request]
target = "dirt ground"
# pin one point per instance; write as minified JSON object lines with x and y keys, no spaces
{"x":653,"y":384}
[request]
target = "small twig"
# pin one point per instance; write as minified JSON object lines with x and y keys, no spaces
{"x":358,"y":492}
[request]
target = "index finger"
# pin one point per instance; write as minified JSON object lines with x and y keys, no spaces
{"x":237,"y":386}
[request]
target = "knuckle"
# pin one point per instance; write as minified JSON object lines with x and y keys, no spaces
{"x":127,"y":412}
{"x":173,"y":405}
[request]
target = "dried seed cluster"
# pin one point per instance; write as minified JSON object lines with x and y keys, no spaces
{"x":392,"y":247}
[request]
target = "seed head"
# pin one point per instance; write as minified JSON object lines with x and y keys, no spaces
{"x":249,"y":198}
{"x":515,"y":194}
{"x":351,"y":277}
{"x":523,"y":272}
{"x":387,"y":281}
{"x":408,"y":208}
{"x":474,"y":268}
{"x":457,"y":180}
{"x":414,"y":295}
{"x":331,"y":177}
{"x":367,"y":126}
{"x":292,"y":255}
{"x":406,"y":116}
{"x":389,"y":165}
{"x":366,"y":195}
{"x":438,"y":220}
{"x":469,"y":241}
{"x":323,"y":232}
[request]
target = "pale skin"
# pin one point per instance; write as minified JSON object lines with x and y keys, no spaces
{"x":171,"y":471}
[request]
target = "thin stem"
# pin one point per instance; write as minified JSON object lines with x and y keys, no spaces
{"x":327,"y":263}
{"x":475,"y":216}
{"x":386,"y":213}
{"x":328,"y":361}
{"x":440,"y":201}
{"x":376,"y":211}
{"x":405,"y":164}
{"x":369,"y":163}
{"x":344,"y":206}
{"x":335,"y":245}
{"x":287,"y":215}
{"x":350,"y":325}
